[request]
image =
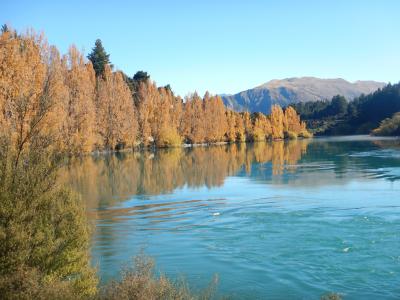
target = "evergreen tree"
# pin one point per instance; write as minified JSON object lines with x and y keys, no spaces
{"x":4,"y":28}
{"x":141,"y":76}
{"x":168,"y":88}
{"x":99,"y":58}
{"x":338,"y":105}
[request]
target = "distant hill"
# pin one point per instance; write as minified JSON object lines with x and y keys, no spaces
{"x":360,"y":116}
{"x":295,"y":90}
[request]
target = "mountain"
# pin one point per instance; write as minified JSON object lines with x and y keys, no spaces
{"x":294,"y":90}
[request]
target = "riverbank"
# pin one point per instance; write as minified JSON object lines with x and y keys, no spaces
{"x":141,"y":148}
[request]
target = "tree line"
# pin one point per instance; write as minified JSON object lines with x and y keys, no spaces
{"x":86,"y":106}
{"x":359,"y":116}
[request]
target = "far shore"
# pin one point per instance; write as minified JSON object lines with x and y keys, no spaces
{"x":140,"y":148}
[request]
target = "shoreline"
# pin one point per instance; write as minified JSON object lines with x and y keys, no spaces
{"x":154,"y":148}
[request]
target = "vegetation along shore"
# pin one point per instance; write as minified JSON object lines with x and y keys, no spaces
{"x":53,"y":106}
{"x":89,"y":107}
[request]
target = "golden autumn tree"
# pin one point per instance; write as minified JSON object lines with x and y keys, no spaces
{"x":248,"y":125}
{"x":165,"y":121}
{"x":43,"y":235}
{"x":158,"y":111}
{"x":215,"y":124}
{"x":304,"y":132}
{"x":31,"y":88}
{"x":160,"y":119}
{"x":231,"y":134}
{"x":56,"y":91}
{"x":177,"y":115}
{"x":291,"y":123}
{"x":277,"y":118}
{"x":115,"y":115}
{"x":185,"y":126}
{"x":262,"y":128}
{"x":144,"y":106}
{"x":240,"y":129}
{"x":193,"y":120}
{"x":22,"y":77}
{"x":79,"y":126}
{"x":198,"y":129}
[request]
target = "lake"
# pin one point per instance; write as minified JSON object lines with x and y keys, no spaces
{"x":280,"y":220}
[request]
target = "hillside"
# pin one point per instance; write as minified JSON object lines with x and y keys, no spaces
{"x":360,"y":116}
{"x":294,"y":90}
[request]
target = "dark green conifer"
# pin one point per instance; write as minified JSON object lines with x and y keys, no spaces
{"x":99,"y":58}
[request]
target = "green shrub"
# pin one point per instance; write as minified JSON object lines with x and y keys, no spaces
{"x":390,"y":126}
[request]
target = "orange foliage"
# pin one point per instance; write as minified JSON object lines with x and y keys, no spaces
{"x":115,"y":115}
{"x":82,"y":112}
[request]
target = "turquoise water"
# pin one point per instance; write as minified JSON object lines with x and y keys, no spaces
{"x":277,"y":221}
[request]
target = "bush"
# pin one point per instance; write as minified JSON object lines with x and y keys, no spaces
{"x":168,"y":138}
{"x":305,"y":134}
{"x":331,"y":296}
{"x":29,"y":284}
{"x":390,"y":126}
{"x":140,"y":283}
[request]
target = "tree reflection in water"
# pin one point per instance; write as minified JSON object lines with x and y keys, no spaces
{"x":107,"y":179}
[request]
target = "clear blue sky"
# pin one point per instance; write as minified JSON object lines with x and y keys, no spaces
{"x":226,"y":46}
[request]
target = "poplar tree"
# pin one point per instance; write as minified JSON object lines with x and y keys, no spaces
{"x":145,"y":109}
{"x":277,"y":117}
{"x":80,"y":122}
{"x":231,"y":129}
{"x":116,"y":123}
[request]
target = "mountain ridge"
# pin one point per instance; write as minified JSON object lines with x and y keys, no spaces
{"x":297,"y":89}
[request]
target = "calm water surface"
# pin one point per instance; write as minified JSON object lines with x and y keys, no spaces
{"x":278,"y":221}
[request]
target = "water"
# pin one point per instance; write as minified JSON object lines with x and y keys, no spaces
{"x":277,"y":221}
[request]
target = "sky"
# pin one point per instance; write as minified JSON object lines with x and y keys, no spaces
{"x":225,"y":46}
